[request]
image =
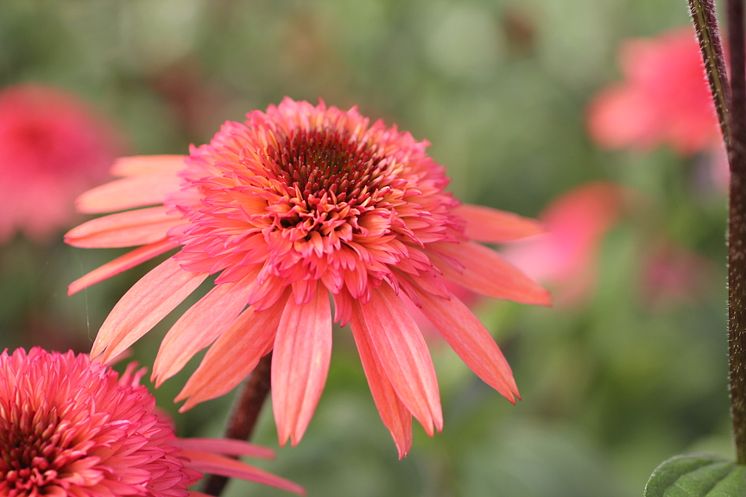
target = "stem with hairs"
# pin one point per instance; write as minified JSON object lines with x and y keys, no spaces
{"x":737,"y":228}
{"x":245,"y":415}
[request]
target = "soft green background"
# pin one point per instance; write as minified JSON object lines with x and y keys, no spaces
{"x":610,"y":388}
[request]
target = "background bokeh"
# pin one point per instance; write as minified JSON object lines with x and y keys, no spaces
{"x":612,"y":384}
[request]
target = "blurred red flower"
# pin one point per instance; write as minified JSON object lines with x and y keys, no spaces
{"x":52,"y":147}
{"x":663,"y":99}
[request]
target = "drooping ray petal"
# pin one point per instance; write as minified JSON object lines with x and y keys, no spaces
{"x":137,"y":165}
{"x":126,"y":193}
{"x":120,"y":264}
{"x":225,"y":446}
{"x":470,"y":340}
{"x":143,"y":306}
{"x":124,"y":229}
{"x":403,"y":355}
{"x":225,"y":466}
{"x":489,"y":225}
{"x":249,"y":338}
{"x":394,"y":413}
{"x":300,"y":363}
{"x":482,"y":270}
{"x":198,"y":327}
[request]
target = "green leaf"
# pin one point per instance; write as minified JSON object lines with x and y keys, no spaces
{"x":697,"y":476}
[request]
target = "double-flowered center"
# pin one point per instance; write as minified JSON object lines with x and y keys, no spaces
{"x":324,"y":167}
{"x":301,"y":194}
{"x":35,"y":449}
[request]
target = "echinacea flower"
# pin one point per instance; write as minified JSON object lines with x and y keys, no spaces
{"x":575,"y":225}
{"x":52,"y":147}
{"x":292,"y":206}
{"x":664,"y":98}
{"x":71,"y":427}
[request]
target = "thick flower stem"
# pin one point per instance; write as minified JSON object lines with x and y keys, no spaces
{"x":737,"y":229}
{"x":245,"y":415}
{"x":708,"y":36}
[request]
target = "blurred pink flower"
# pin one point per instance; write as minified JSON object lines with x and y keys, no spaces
{"x":51,"y":149}
{"x":563,"y":257}
{"x":70,"y":427}
{"x":664,"y":98}
{"x":673,"y":275}
{"x":296,"y":204}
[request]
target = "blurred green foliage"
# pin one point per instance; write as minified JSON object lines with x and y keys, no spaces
{"x":611,"y":387}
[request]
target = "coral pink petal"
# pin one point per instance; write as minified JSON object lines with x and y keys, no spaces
{"x":198,"y":327}
{"x":402,"y":353}
{"x":224,"y":466}
{"x":143,"y":306}
{"x":125,"y":229}
{"x":300,"y":363}
{"x":138,"y":165}
{"x":470,"y":340}
{"x":394,"y":414}
{"x":249,"y":338}
{"x":126,"y":193}
{"x":482,"y":270}
{"x":120,"y":264}
{"x":225,"y":446}
{"x":485,"y":224}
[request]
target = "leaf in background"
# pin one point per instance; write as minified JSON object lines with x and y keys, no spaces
{"x":697,"y":476}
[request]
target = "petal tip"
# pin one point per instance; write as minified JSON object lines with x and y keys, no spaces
{"x":190,"y":402}
{"x":157,"y":379}
{"x":545,"y":299}
{"x":97,"y":350}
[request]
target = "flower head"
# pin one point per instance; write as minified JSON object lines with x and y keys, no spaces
{"x":51,"y":149}
{"x":73,"y":427}
{"x":664,"y":98}
{"x":292,"y":206}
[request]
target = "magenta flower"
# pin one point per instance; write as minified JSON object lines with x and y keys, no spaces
{"x":51,"y":149}
{"x":70,"y":427}
{"x":292,"y":206}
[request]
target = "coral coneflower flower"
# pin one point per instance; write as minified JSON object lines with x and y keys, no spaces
{"x":664,"y":98}
{"x":51,"y":149}
{"x":73,"y":427}
{"x":290,"y":207}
